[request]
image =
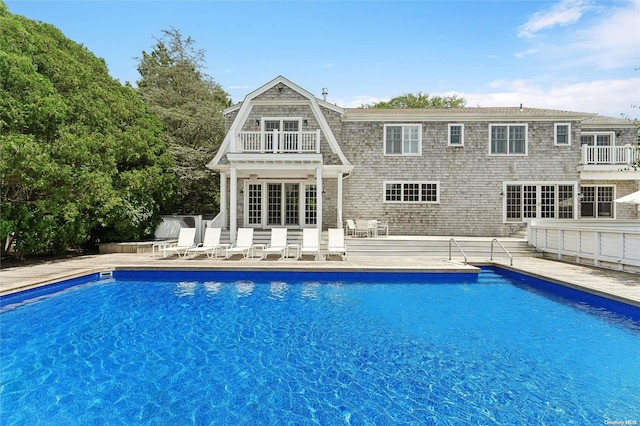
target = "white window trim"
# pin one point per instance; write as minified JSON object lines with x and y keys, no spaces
{"x":461,"y":144}
{"x":612,"y":136}
{"x":555,"y":134}
{"x":281,"y":120}
{"x":403,"y":154}
{"x":526,"y":139}
{"x":614,"y":210}
{"x":403,"y":182}
{"x":505,"y":184}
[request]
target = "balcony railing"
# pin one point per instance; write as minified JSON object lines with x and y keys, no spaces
{"x":617,"y":155}
{"x":278,"y":142}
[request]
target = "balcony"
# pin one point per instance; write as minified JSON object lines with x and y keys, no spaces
{"x":277,"y":142}
{"x":619,"y":156}
{"x":609,"y":162}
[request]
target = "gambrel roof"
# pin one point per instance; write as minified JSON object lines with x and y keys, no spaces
{"x":244,"y":108}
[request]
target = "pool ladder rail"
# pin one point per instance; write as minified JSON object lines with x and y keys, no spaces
{"x":495,"y":240}
{"x":453,"y":240}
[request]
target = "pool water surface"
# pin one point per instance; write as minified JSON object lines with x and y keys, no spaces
{"x":316,"y":348}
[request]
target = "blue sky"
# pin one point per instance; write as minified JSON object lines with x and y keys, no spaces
{"x":579,"y":55}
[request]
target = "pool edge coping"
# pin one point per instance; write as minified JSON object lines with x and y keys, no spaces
{"x":473,"y":267}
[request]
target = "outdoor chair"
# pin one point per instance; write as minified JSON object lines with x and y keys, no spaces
{"x":186,"y":241}
{"x":362,"y":228}
{"x":310,"y":244}
{"x":243,"y":244}
{"x":210,"y":245}
{"x":278,"y":244}
{"x":336,"y":243}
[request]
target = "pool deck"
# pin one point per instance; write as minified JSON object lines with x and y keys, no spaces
{"x":622,"y":286}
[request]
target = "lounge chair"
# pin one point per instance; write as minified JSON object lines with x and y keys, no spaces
{"x":186,"y":240}
{"x":278,"y":244}
{"x":210,"y":245}
{"x":310,"y":244}
{"x":336,"y":243}
{"x":243,"y":244}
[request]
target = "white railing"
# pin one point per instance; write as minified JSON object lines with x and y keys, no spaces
{"x":613,"y":244}
{"x":622,"y":155}
{"x":278,"y":142}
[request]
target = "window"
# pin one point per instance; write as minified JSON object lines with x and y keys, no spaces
{"x":508,"y":139}
{"x":597,"y":138}
{"x":403,"y":139}
{"x":456,"y":134}
{"x":562,"y":134}
{"x":539,"y":200}
{"x":411,"y":192}
{"x":596,"y":202}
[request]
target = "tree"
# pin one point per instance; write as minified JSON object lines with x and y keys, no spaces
{"x":189,"y":103}
{"x":420,"y":100}
{"x":82,"y":158}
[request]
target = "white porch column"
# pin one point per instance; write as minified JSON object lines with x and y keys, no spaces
{"x":223,"y":199}
{"x":319,"y":196}
{"x":339,"y":224}
{"x":233,"y":204}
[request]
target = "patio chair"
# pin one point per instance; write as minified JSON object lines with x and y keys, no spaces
{"x":336,"y":243}
{"x":351,"y":228}
{"x":278,"y":244}
{"x":210,"y":245}
{"x":383,"y":225}
{"x":372,"y":228}
{"x":243,"y":244}
{"x":186,"y":240}
{"x":310,"y":244}
{"x":362,"y":228}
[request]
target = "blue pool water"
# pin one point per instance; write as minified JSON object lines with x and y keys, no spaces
{"x":317,"y":348}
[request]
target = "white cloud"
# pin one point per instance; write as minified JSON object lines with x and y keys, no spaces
{"x":239,"y":87}
{"x":605,"y":97}
{"x":564,"y":13}
{"x":614,"y":41}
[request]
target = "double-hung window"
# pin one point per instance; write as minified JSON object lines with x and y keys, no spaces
{"x":562,"y":134}
{"x":508,"y":139}
{"x":456,"y":134}
{"x":411,"y":192}
{"x":596,"y":202}
{"x":402,"y":139}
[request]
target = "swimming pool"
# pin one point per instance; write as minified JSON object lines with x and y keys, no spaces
{"x":317,"y":348}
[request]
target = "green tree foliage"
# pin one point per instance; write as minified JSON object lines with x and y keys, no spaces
{"x":82,"y":158}
{"x":420,"y":100}
{"x":190,"y":104}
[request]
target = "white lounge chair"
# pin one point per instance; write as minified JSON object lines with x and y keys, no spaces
{"x":243,"y":244}
{"x":186,"y":240}
{"x":336,"y":243}
{"x":210,"y":245}
{"x":310,"y":244}
{"x":278,"y":244}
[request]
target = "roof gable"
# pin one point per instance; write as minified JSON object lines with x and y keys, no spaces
{"x":261,"y":94}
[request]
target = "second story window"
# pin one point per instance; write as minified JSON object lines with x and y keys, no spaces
{"x":508,"y":139}
{"x":456,"y":134}
{"x":562,"y":134}
{"x":402,"y":139}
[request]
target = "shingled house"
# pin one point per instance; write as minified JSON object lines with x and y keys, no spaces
{"x":290,"y":159}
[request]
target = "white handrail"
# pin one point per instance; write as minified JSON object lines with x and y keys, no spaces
{"x":505,"y":250}
{"x":452,"y":240}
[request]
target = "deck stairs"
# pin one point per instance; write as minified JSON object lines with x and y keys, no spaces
{"x":475,"y":248}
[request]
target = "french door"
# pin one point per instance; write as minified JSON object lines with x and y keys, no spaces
{"x":280,"y":204}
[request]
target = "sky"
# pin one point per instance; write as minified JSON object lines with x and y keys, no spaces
{"x":577,"y":55}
